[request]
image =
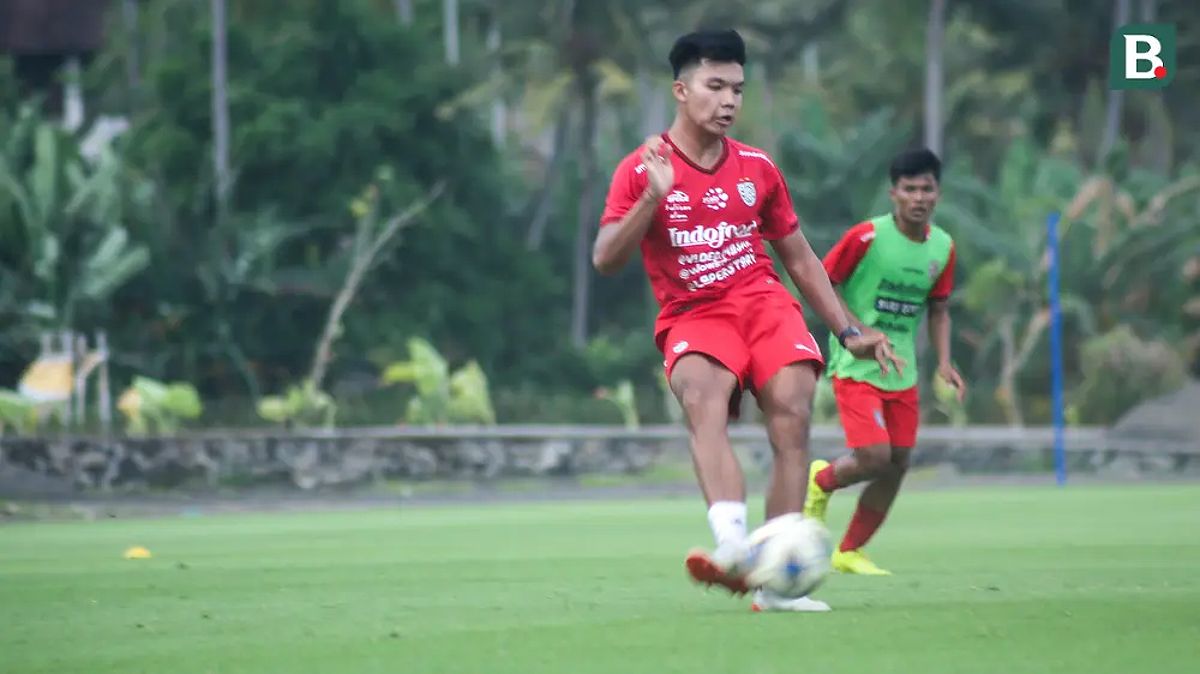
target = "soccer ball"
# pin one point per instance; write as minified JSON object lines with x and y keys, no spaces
{"x":790,"y":555}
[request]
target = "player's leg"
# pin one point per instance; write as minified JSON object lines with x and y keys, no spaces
{"x":881,"y":492}
{"x":704,"y":360}
{"x":703,"y":387}
{"x":873,"y":506}
{"x":902,"y":415}
{"x":860,"y":410}
{"x":786,"y":402}
{"x":785,"y":363}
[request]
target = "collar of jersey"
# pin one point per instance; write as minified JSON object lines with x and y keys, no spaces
{"x":688,"y":160}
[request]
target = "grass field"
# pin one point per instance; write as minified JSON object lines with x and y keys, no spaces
{"x":1086,"y":579}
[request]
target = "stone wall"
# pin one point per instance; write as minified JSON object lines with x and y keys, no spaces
{"x":310,"y":461}
{"x":358,"y":456}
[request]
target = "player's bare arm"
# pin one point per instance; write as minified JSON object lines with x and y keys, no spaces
{"x":939,"y":334}
{"x":854,"y":320}
{"x":807,"y":272}
{"x":616,"y":243}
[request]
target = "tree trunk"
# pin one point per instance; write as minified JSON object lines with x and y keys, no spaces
{"x":1149,"y":11}
{"x":450,"y":30}
{"x":934,"y":34}
{"x":812,"y":63}
{"x":1112,"y":112}
{"x":220,"y":110}
{"x":583,"y":231}
{"x":404,"y":12}
{"x":359,"y":267}
{"x":1158,"y":145}
{"x":1015,"y":357}
{"x":1006,"y":389}
{"x":544,"y":204}
{"x":73,"y":105}
{"x":104,"y":390}
{"x":653,"y":105}
{"x":499,"y":107}
{"x":133,"y":66}
{"x":770,"y":139}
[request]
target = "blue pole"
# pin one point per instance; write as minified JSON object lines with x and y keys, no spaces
{"x":1056,"y":365}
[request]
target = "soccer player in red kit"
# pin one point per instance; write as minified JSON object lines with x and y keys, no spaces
{"x":700,"y":207}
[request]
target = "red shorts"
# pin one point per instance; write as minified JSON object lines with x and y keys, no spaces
{"x":754,"y":335}
{"x":872,"y":416}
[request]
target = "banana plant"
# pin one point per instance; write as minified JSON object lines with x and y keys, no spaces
{"x":302,"y":405}
{"x":152,"y":406}
{"x":64,"y":223}
{"x":441,"y":396}
{"x":17,"y":412}
{"x":624,"y":399}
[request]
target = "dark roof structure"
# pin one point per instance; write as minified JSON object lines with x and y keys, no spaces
{"x":31,"y":27}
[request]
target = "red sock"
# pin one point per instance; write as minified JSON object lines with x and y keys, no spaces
{"x":827,"y":479}
{"x":862,"y":526}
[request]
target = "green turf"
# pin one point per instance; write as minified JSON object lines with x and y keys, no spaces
{"x":988,"y":580}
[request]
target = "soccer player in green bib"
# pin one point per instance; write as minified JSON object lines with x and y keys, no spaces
{"x":888,"y":271}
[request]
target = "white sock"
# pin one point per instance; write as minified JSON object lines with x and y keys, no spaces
{"x":728,"y":521}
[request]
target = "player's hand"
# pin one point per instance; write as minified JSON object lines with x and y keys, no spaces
{"x":873,"y":344}
{"x":951,"y":376}
{"x":653,"y":142}
{"x":660,"y":174}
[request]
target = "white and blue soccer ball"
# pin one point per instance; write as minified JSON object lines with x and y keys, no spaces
{"x":790,"y":555}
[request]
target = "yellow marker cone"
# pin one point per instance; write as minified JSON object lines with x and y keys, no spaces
{"x":137,"y":552}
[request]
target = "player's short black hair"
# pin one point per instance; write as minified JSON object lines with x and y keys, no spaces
{"x":723,"y":46}
{"x":912,"y":163}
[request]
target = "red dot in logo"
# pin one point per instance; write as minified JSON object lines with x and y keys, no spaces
{"x":1160,"y":72}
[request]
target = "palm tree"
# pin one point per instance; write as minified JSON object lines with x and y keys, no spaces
{"x":70,"y":248}
{"x":564,"y":71}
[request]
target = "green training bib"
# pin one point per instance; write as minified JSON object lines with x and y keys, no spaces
{"x":888,"y":291}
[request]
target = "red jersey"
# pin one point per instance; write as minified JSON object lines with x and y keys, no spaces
{"x":706,"y":239}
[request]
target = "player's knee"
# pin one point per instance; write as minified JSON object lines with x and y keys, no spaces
{"x":794,"y":415}
{"x":704,"y":404}
{"x":875,"y":459}
{"x":900,"y":459}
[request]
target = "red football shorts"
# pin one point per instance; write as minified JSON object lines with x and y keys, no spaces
{"x":872,"y":416}
{"x":754,"y":335}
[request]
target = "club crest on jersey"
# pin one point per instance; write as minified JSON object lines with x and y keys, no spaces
{"x":747,"y":192}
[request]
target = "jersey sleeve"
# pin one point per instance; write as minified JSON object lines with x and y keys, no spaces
{"x":945,"y":282}
{"x":841,"y":260}
{"x":625,"y":189}
{"x":779,"y":214}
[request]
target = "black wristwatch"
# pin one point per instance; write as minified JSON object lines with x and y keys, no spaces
{"x":847,"y":334}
